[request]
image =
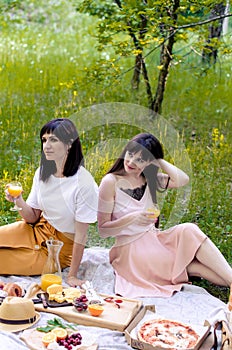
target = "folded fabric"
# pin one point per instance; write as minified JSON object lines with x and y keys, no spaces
{"x":220,"y":314}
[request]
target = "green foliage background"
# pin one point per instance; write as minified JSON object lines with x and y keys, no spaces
{"x":47,"y":69}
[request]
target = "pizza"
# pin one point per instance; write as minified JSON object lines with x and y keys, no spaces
{"x":168,"y":334}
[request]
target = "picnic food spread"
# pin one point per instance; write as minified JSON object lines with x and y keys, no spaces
{"x":87,"y":307}
{"x":102,"y":311}
{"x":168,"y":334}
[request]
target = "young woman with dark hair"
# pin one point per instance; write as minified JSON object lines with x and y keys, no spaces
{"x":66,"y":132}
{"x":148,"y":261}
{"x":61,"y":205}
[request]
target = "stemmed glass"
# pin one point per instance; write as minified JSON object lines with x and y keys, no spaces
{"x":14,"y":189}
{"x":154,"y":212}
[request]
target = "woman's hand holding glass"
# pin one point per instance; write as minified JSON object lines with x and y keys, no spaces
{"x":143,"y":217}
{"x":13,"y":191}
{"x":153,"y":212}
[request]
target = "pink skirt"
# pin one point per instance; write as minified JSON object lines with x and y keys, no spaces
{"x":156,"y":263}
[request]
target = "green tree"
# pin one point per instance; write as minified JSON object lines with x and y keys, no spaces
{"x":136,"y":28}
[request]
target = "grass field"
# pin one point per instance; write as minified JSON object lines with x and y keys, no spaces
{"x":45,"y":50}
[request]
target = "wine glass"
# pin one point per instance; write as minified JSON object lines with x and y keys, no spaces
{"x":154,"y":213}
{"x":14,"y":189}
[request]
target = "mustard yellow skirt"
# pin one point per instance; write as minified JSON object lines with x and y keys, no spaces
{"x":23,"y":249}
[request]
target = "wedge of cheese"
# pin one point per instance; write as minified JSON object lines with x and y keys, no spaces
{"x":54,"y":289}
{"x":59,"y":298}
{"x":51,"y":297}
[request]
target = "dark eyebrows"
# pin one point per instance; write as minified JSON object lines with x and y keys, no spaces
{"x":50,"y":136}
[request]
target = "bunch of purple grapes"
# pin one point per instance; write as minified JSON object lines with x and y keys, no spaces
{"x":80,"y":303}
{"x":70,"y":341}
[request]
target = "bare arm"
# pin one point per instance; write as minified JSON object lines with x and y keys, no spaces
{"x":178,"y":177}
{"x":29,"y":214}
{"x":77,"y":253}
{"x":111,"y":228}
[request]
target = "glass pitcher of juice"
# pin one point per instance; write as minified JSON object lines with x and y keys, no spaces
{"x":52,"y":272}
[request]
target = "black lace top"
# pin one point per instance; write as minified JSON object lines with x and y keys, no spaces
{"x":136,"y":193}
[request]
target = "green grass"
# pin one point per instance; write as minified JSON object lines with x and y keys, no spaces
{"x":45,"y":50}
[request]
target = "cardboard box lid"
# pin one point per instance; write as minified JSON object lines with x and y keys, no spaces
{"x":137,"y":344}
{"x":226,"y":336}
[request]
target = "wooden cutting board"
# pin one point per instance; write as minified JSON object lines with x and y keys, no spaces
{"x":33,"y":340}
{"x":113,"y":318}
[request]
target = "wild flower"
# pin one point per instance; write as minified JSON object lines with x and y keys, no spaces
{"x":218,"y":138}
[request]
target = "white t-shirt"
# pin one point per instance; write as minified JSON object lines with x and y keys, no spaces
{"x":65,"y":200}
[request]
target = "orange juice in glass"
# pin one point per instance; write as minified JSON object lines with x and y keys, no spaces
{"x":48,"y":279}
{"x":14,"y":189}
{"x":154,"y":211}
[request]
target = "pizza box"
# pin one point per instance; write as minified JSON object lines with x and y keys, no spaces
{"x":131,"y":330}
{"x":226,"y":336}
{"x":113,"y":318}
{"x":227,"y":331}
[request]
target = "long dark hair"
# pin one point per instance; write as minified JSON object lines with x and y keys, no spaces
{"x":66,"y":132}
{"x":150,"y":148}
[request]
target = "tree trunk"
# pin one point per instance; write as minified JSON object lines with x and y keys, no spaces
{"x":210,"y":52}
{"x":147,"y":83}
{"x":137,"y":71}
{"x":165,"y":61}
{"x":139,"y":61}
{"x":225,"y":25}
{"x":166,"y":57}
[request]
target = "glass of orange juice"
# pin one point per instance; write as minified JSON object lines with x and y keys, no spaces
{"x":48,"y":279}
{"x":154,"y":211}
{"x":14,"y":189}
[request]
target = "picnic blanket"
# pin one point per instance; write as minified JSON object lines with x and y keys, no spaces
{"x":192,"y":304}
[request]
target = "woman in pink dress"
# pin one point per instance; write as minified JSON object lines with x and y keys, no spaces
{"x":146,"y":260}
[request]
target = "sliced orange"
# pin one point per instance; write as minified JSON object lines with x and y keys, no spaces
{"x":49,"y":338}
{"x":95,"y":309}
{"x":60,"y":333}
